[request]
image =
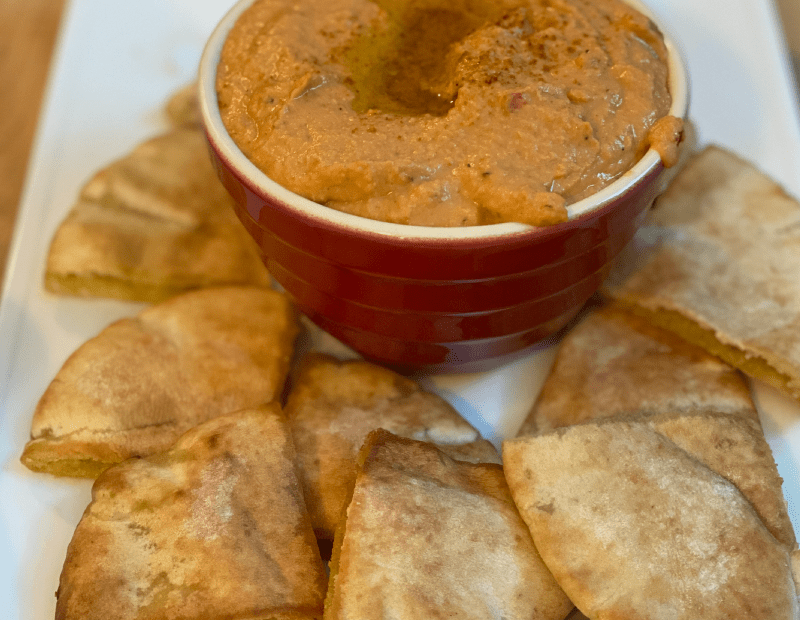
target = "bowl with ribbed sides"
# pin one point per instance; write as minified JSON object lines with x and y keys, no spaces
{"x":424,"y":298}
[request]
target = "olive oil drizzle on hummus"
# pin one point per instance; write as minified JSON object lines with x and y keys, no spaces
{"x":400,"y":67}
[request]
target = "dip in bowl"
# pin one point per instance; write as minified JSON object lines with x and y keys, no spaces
{"x":467,"y":293}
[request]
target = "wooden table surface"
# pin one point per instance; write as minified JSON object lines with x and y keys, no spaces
{"x":28,"y":29}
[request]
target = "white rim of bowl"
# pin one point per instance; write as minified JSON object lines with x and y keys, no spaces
{"x":678,"y":86}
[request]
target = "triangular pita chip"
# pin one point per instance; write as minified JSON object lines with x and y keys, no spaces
{"x":138,"y":385}
{"x":632,"y":526}
{"x":214,"y":528}
{"x":430,"y":537}
{"x":614,"y":364}
{"x":152,"y":224}
{"x":334,"y":405}
{"x":719,"y":264}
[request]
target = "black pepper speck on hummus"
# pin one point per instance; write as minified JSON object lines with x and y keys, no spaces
{"x":446,"y":112}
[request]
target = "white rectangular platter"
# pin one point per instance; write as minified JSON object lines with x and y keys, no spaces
{"x":115,"y":65}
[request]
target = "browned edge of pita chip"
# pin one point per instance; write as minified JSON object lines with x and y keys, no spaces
{"x":338,"y":536}
{"x":105,"y":286}
{"x":751,"y":364}
{"x":74,"y":460}
{"x":71,"y":284}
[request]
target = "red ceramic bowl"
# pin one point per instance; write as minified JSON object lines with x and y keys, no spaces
{"x":425,"y":298}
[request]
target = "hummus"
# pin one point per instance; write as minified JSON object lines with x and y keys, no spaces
{"x":446,"y":112}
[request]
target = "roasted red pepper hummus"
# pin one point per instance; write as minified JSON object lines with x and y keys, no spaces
{"x":445,"y":112}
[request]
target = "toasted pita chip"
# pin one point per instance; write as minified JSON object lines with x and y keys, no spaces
{"x":430,"y":537}
{"x":154,"y":223}
{"x":632,"y":526}
{"x":718,"y":264}
{"x":615,"y":364}
{"x":213,"y":528}
{"x":332,"y":407}
{"x":142,"y":382}
{"x":183,"y":107}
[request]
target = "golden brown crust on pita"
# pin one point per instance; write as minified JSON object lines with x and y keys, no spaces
{"x":718,"y":264}
{"x":152,"y":224}
{"x":614,"y":364}
{"x":215,"y":527}
{"x":430,"y":537}
{"x":142,"y":382}
{"x":633,"y":527}
{"x":332,"y":407}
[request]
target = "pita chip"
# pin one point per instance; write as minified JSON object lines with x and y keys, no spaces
{"x":153,"y":224}
{"x":634,"y":527}
{"x":718,"y":264}
{"x":614,"y":364}
{"x":334,"y":405}
{"x":214,"y":528}
{"x":430,"y":537}
{"x":142,"y":382}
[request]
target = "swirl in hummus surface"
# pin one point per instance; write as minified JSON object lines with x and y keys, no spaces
{"x":445,"y":113}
